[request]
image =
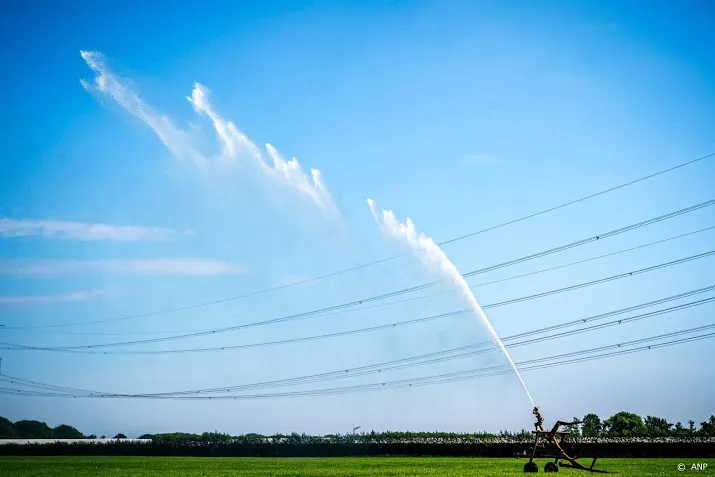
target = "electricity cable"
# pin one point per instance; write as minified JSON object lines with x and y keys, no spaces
{"x":513,"y":277}
{"x":433,"y":283}
{"x":309,"y":314}
{"x":18,"y":347}
{"x":530,"y":257}
{"x":539,"y":363}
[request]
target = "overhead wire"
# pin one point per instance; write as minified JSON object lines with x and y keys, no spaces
{"x":528,"y":365}
{"x":440,"y":356}
{"x":507,"y":264}
{"x":18,"y":347}
{"x":513,"y":277}
{"x":403,"y":291}
{"x":309,"y":314}
{"x":445,"y":242}
{"x":433,"y":358}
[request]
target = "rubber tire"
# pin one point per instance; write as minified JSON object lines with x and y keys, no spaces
{"x":531,"y":467}
{"x":551,"y":467}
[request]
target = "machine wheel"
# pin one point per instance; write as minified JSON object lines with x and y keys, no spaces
{"x":531,"y":467}
{"x":551,"y":467}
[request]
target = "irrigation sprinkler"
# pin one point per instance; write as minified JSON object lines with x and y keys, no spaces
{"x":547,"y":444}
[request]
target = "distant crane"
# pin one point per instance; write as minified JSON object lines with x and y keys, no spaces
{"x":355,"y":428}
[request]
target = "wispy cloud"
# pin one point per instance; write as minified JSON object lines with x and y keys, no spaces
{"x":236,"y":146}
{"x":57,"y":298}
{"x":81,"y":231}
{"x":183,"y":266}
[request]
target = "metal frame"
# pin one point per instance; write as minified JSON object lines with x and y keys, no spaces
{"x":547,"y":444}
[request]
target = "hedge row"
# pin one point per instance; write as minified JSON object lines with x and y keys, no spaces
{"x":694,"y":449}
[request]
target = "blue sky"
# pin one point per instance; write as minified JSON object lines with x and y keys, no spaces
{"x":460,"y":115}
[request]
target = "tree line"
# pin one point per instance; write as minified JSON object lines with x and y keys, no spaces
{"x":621,"y":424}
{"x":39,"y":430}
{"x":628,"y":424}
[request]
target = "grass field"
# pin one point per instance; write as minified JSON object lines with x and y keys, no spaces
{"x":314,"y":467}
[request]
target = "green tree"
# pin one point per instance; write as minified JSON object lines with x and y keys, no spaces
{"x":574,"y":429}
{"x":176,"y":437}
{"x":7,"y":428}
{"x":657,"y":426}
{"x":33,"y":430}
{"x":91,"y":436}
{"x":708,"y":427}
{"x":120,"y":436}
{"x":591,"y":426}
{"x":215,"y":437}
{"x":64,"y":431}
{"x":691,"y":426}
{"x":146,"y":436}
{"x":624,"y":424}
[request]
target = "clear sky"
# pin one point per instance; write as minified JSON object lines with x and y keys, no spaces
{"x":135,"y":178}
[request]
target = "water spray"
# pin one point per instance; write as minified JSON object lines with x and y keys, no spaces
{"x":547,"y":443}
{"x":433,"y":258}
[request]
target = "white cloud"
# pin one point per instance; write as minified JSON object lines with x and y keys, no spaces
{"x":81,"y":230}
{"x":58,"y":298}
{"x":236,"y":146}
{"x":185,"y":266}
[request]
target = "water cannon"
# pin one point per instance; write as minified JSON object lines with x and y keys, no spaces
{"x":547,"y":444}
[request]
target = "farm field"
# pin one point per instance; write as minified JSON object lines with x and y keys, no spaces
{"x":295,"y":467}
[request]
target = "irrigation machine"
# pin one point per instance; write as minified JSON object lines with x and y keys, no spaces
{"x":547,"y":444}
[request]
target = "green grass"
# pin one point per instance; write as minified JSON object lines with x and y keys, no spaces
{"x":313,"y":467}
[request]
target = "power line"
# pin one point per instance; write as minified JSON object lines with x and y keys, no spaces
{"x":33,"y":384}
{"x":533,"y":364}
{"x":310,"y":314}
{"x":484,"y":372}
{"x":611,"y":254}
{"x":429,"y":358}
{"x":433,"y":358}
{"x":472,"y":234}
{"x":19,"y":347}
{"x":514,"y":277}
{"x":550,"y":365}
{"x":542,"y":212}
{"x":595,"y":237}
{"x":403,"y":291}
{"x":440,"y":356}
{"x":445,"y":292}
